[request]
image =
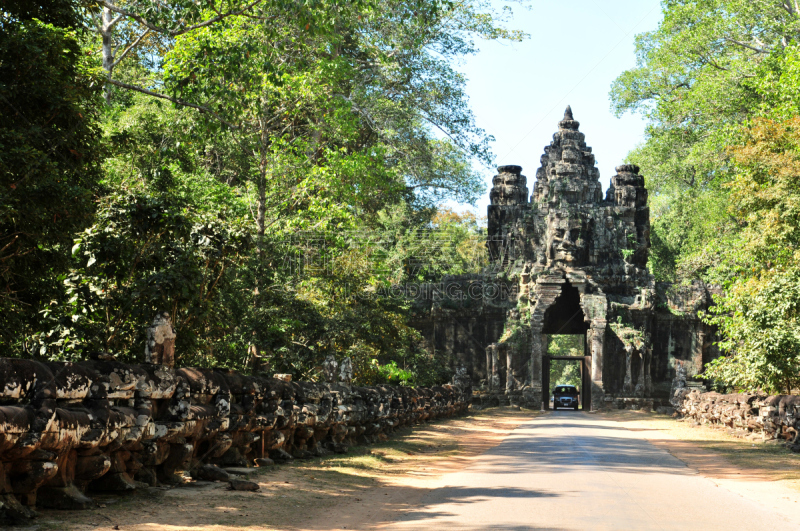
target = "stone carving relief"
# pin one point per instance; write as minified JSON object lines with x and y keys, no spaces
{"x":568,"y":241}
{"x":68,"y":429}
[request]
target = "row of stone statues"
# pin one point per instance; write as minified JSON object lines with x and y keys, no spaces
{"x":753,"y":416}
{"x":69,"y":428}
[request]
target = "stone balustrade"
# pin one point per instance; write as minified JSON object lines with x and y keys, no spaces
{"x":67,"y":429}
{"x":744,"y":415}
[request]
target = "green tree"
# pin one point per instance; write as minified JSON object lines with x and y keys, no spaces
{"x":758,"y":313}
{"x":696,"y":81}
{"x":760,"y":320}
{"x":242,"y":132}
{"x":50,"y":155}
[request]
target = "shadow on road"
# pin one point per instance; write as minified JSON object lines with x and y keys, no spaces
{"x":559,"y":451}
{"x":460,"y":495}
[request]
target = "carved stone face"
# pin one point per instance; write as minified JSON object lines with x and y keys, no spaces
{"x":568,"y":241}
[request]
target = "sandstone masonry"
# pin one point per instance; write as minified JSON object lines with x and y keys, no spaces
{"x":567,"y":260}
{"x":67,"y":429}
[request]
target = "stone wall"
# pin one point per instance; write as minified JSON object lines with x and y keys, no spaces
{"x":69,"y":428}
{"x":743,"y":415}
{"x":681,"y":341}
{"x":461,"y":315}
{"x":576,"y":263}
{"x":638,"y":367}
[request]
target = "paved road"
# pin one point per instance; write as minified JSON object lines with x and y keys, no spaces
{"x":574,"y":471}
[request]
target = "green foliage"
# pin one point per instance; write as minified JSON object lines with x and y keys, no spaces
{"x":684,"y":229}
{"x":394,"y":375}
{"x":50,"y":154}
{"x":345,"y":121}
{"x":423,"y":245}
{"x":565,"y":372}
{"x":517,"y":335}
{"x":699,"y":76}
{"x":142,"y":256}
{"x":418,"y":367}
{"x":758,"y":314}
{"x":628,"y":334}
{"x":59,"y":13}
{"x":718,"y":81}
{"x":760,"y":320}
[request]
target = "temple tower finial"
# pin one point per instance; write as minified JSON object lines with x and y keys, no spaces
{"x":569,"y":121}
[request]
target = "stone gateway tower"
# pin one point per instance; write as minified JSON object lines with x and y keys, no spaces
{"x":569,"y":261}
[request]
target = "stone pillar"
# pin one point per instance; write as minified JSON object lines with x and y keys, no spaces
{"x":510,"y":380}
{"x":598,"y":333}
{"x":329,"y":368}
{"x":641,"y":384}
{"x":495,"y":377}
{"x":698,"y":341}
{"x":489,"y":366}
{"x":537,"y":351}
{"x":627,"y":386}
{"x":346,"y":371}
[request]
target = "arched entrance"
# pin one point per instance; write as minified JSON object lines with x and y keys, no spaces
{"x":565,"y":316}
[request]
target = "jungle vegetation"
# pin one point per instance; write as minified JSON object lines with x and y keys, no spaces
{"x":264,"y":169}
{"x":260,"y":169}
{"x":719,"y":83}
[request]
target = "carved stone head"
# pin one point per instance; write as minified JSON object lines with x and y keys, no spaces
{"x":568,"y":241}
{"x":160,"y":346}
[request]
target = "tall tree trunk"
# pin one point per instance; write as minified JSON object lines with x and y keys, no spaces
{"x":107,"y":22}
{"x":254,"y":353}
{"x":261,"y":213}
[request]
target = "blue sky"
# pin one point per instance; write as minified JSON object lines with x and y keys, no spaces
{"x":576,"y":49}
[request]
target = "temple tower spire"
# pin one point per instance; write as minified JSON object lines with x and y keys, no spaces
{"x":568,"y":173}
{"x":508,"y":204}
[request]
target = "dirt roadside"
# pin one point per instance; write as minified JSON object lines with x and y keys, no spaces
{"x":356,"y":491}
{"x":765,"y":472}
{"x":712,"y":451}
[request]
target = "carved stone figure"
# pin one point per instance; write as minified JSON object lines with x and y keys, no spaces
{"x":493,"y":366}
{"x":329,"y":368}
{"x":67,"y":429}
{"x":160,"y":347}
{"x":255,"y":361}
{"x":346,"y":371}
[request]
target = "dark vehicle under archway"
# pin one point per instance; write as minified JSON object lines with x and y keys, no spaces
{"x":566,"y":396}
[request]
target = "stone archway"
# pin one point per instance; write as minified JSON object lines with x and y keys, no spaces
{"x":565,"y":315}
{"x":563,"y":306}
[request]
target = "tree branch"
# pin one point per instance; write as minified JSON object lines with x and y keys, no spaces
{"x":173,"y":100}
{"x":112,"y":23}
{"x":175,"y":33}
{"x":715,"y":65}
{"x":129,"y":48}
{"x":745,"y":45}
